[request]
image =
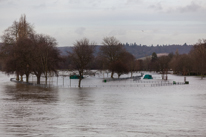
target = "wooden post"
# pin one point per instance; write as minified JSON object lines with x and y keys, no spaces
{"x":70,"y":82}
{"x":63,"y":80}
{"x":57,"y":80}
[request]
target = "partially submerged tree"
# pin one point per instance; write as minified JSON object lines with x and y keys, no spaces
{"x":154,"y":64}
{"x":164,"y":65}
{"x":138,"y":65}
{"x":129,"y":60}
{"x":81,"y":56}
{"x":110,"y":52}
{"x":18,"y":30}
{"x":120,"y":68}
{"x":23,"y":56}
{"x":198,"y":54}
{"x":147,"y":63}
{"x":181,"y":64}
{"x":46,"y":56}
{"x":125,"y":64}
{"x":24,"y":52}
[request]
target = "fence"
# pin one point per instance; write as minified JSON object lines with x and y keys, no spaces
{"x":33,"y":84}
{"x":138,"y":83}
{"x":102,"y":86}
{"x":167,"y":84}
{"x":120,"y":79}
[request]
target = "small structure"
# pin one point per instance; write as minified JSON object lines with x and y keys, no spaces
{"x":147,"y":76}
{"x":75,"y":77}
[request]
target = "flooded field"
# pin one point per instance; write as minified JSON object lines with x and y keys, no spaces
{"x":109,"y":111}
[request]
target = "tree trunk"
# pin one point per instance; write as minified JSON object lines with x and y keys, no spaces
{"x":131,"y":73}
{"x":38,"y":78}
{"x":202,"y":75}
{"x":112,"y":74}
{"x":80,"y":79}
{"x":46,"y":78}
{"x":17,"y":76}
{"x":21,"y":78}
{"x":27,"y":78}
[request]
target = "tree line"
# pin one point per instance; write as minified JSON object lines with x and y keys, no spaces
{"x":193,"y":63}
{"x":140,"y":51}
{"x":24,"y":52}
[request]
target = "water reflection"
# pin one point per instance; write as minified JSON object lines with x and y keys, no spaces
{"x":143,"y":111}
{"x":21,"y":92}
{"x":26,"y":108}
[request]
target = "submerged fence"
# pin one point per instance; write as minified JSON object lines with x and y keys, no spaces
{"x":132,"y":85}
{"x":65,"y":82}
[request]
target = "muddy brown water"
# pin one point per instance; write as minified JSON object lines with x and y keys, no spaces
{"x":103,"y":112}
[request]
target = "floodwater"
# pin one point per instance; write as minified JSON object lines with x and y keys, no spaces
{"x":29,"y":111}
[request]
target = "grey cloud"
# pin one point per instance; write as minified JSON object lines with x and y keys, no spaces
{"x":117,"y":32}
{"x":80,"y":30}
{"x":43,"y":5}
{"x":111,"y":8}
{"x":11,"y":3}
{"x":190,"y":8}
{"x":83,"y":1}
{"x":74,"y":1}
{"x":157,"y":6}
{"x":95,"y":3}
{"x":133,"y":1}
{"x":86,"y":3}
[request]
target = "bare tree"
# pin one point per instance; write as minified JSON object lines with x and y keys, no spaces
{"x":120,"y":68}
{"x":36,"y":54}
{"x":81,"y":56}
{"x":164,"y":65}
{"x":130,"y":61}
{"x":46,"y":56}
{"x":110,"y":52}
{"x":23,"y":51}
{"x":23,"y":55}
{"x":146,"y":63}
{"x":19,"y":29}
{"x":154,"y":64}
{"x":126,"y":63}
{"x":198,"y":54}
{"x":138,"y":65}
{"x":181,"y":64}
{"x":20,"y":58}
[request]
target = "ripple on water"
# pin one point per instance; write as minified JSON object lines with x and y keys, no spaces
{"x":116,"y":111}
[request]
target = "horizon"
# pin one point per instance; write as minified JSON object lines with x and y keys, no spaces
{"x":124,"y":44}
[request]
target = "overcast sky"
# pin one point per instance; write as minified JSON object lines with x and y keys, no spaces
{"x":141,"y":21}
